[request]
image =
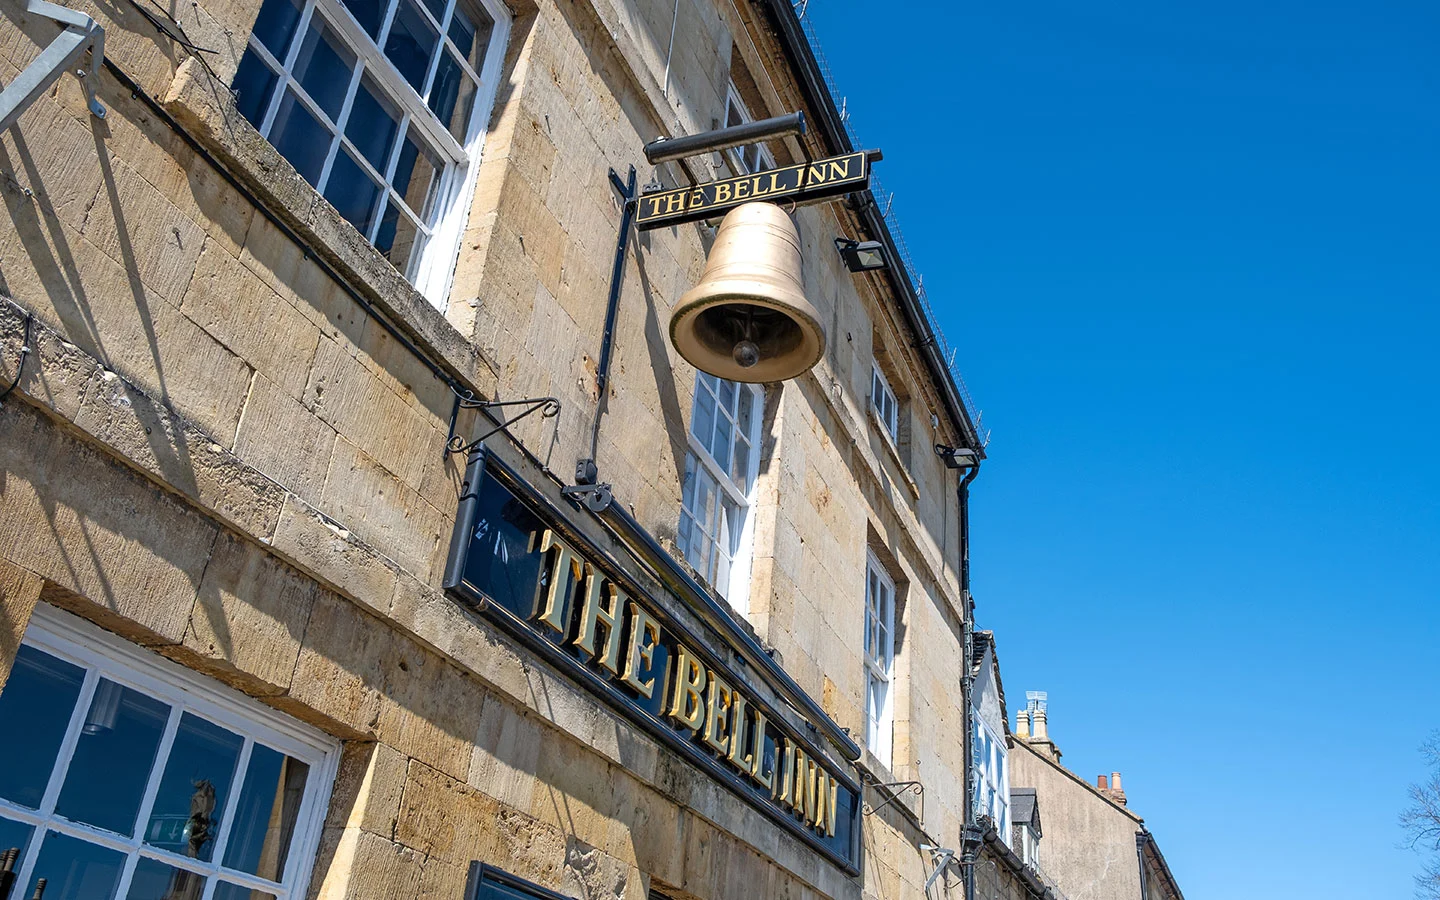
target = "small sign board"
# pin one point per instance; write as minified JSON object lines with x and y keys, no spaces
{"x":792,"y":184}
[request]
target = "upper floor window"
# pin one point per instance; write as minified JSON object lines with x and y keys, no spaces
{"x":751,"y":157}
{"x":992,"y":777}
{"x":882,"y":400}
{"x":720,"y":471}
{"x":381,"y":105}
{"x":133,"y":778}
{"x":879,"y":658}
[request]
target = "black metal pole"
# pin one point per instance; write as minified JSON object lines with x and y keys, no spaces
{"x":627,"y":191}
{"x":970,"y":837}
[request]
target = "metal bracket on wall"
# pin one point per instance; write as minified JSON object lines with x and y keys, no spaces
{"x":914,"y":787}
{"x":81,"y":33}
{"x":548,"y":407}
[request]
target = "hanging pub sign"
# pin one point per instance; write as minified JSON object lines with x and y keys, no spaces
{"x":515,"y":561}
{"x":791,"y":184}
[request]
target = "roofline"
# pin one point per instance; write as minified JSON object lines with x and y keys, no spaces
{"x":827,"y":116}
{"x":1149,"y":843}
{"x":1017,"y":867}
{"x":1021,"y":742}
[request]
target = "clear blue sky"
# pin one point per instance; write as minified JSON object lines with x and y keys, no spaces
{"x":1191,"y":257}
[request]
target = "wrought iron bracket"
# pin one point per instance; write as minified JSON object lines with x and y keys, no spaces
{"x":81,"y":33}
{"x":914,"y":787}
{"x":548,"y":407}
{"x":594,"y":497}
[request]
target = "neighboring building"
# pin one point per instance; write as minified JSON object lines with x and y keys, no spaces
{"x":1094,"y":845}
{"x":264,"y":637}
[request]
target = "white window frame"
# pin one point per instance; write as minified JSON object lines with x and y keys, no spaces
{"x":992,"y":777}
{"x":879,"y":668}
{"x":79,"y":642}
{"x":737,"y":587}
{"x":432,"y":270}
{"x":736,"y":155}
{"x":884,"y":403}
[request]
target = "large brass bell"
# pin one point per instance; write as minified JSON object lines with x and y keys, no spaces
{"x":748,"y":319}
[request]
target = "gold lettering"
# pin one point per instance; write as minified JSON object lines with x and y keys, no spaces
{"x":697,"y":198}
{"x":757,"y":752}
{"x":644,"y":635}
{"x":722,"y":192}
{"x":816,"y":175}
{"x":742,"y":188}
{"x":675,"y":202}
{"x":840,"y":168}
{"x":785,"y":763}
{"x":820,"y":795}
{"x":737,"y":733}
{"x":830,"y":807}
{"x":564,"y":573}
{"x":800,"y":796}
{"x":718,"y":701}
{"x":687,"y":704}
{"x":594,"y":613}
{"x":654,"y":204}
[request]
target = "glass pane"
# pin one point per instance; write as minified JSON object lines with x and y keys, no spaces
{"x":470,"y":29}
{"x":227,"y":891}
{"x":300,"y":138}
{"x":75,"y":870}
{"x":15,"y":836}
{"x":733,"y":115}
{"x":727,"y":397}
{"x":35,"y":709}
{"x":721,"y":450}
{"x":369,"y":13}
{"x":702,"y":420}
{"x":398,"y":237}
{"x":417,"y":175}
{"x":373,"y":123}
{"x":113,"y":760}
{"x":411,"y":44}
{"x":740,"y":467}
{"x":265,"y":818}
{"x":687,"y":487}
{"x":352,"y":193}
{"x":734,"y":525}
{"x":452,"y":96}
{"x":194,"y":788}
{"x":156,"y":881}
{"x":323,"y":68}
{"x":252,"y":87}
{"x":437,"y":8}
{"x":276,"y":25}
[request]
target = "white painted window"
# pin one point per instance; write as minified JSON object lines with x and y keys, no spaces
{"x":992,"y":778}
{"x":715,"y":522}
{"x":751,"y":157}
{"x":879,"y":658}
{"x":124,"y":775}
{"x":381,"y":105}
{"x":883,"y":402}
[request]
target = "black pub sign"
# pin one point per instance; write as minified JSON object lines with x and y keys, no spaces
{"x":514,"y":560}
{"x":792,"y":184}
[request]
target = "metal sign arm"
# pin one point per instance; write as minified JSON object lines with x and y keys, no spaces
{"x":81,"y":33}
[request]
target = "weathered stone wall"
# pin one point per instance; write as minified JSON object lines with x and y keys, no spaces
{"x":216,"y":452}
{"x":1089,"y":843}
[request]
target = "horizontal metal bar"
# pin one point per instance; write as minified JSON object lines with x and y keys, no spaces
{"x":666,"y":149}
{"x":44,"y":71}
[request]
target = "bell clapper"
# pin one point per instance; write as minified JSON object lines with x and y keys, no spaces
{"x":746,"y":354}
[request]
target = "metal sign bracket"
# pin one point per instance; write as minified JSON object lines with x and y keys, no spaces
{"x":81,"y":33}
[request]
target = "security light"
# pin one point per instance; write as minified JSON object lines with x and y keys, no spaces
{"x":956,"y":457}
{"x":861,"y":256}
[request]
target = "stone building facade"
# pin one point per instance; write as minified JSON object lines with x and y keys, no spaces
{"x":239,"y":311}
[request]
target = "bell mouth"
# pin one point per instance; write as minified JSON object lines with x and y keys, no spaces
{"x":711,"y":337}
{"x":724,"y":326}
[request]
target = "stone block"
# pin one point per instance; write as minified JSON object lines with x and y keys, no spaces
{"x":281,"y":438}
{"x":56,"y":372}
{"x":251,"y":320}
{"x":367,"y":788}
{"x":506,"y":753}
{"x":327,"y":551}
{"x":114,"y":547}
{"x":343,"y":667}
{"x":19,"y":592}
{"x":294,"y":275}
{"x":369,"y":500}
{"x":249,"y":618}
{"x":51,"y":163}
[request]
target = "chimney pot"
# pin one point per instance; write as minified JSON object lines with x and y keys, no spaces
{"x":1022,"y":724}
{"x":1101,"y":783}
{"x":1115,"y":781}
{"x":1042,"y":730}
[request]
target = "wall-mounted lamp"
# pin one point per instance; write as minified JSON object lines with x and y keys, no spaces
{"x":956,"y":457}
{"x":861,"y":256}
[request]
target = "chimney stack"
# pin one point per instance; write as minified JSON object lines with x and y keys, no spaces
{"x":1022,"y":724}
{"x":1042,"y":730}
{"x":1101,"y":783}
{"x":1116,"y":791}
{"x":1033,"y":727}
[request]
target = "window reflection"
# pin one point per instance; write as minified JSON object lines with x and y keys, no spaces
{"x":75,"y":870}
{"x":154,"y":880}
{"x":35,"y":709}
{"x":186,"y":816}
{"x":113,"y":759}
{"x":15,"y":836}
{"x":265,"y":819}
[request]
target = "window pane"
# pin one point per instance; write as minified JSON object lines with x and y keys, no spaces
{"x":275,"y":25}
{"x":265,"y":818}
{"x":35,"y":710}
{"x":727,"y":397}
{"x":740,"y":468}
{"x":470,"y":29}
{"x":323,"y":68}
{"x":75,"y":870}
{"x":194,"y":788}
{"x":113,"y":760}
{"x":411,"y":44}
{"x":369,"y":13}
{"x":15,"y":836}
{"x":397,"y":237}
{"x":373,"y":123}
{"x":352,"y":193}
{"x":300,"y":138}
{"x":452,"y":96}
{"x":702,"y":419}
{"x":252,"y":87}
{"x":417,"y":175}
{"x":721,"y":450}
{"x":437,"y":8}
{"x":154,"y":880}
{"x":687,"y":487}
{"x":227,"y":891}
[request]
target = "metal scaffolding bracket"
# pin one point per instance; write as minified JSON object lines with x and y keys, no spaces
{"x":81,"y":33}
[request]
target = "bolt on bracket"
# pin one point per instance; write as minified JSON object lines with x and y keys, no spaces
{"x":81,"y":33}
